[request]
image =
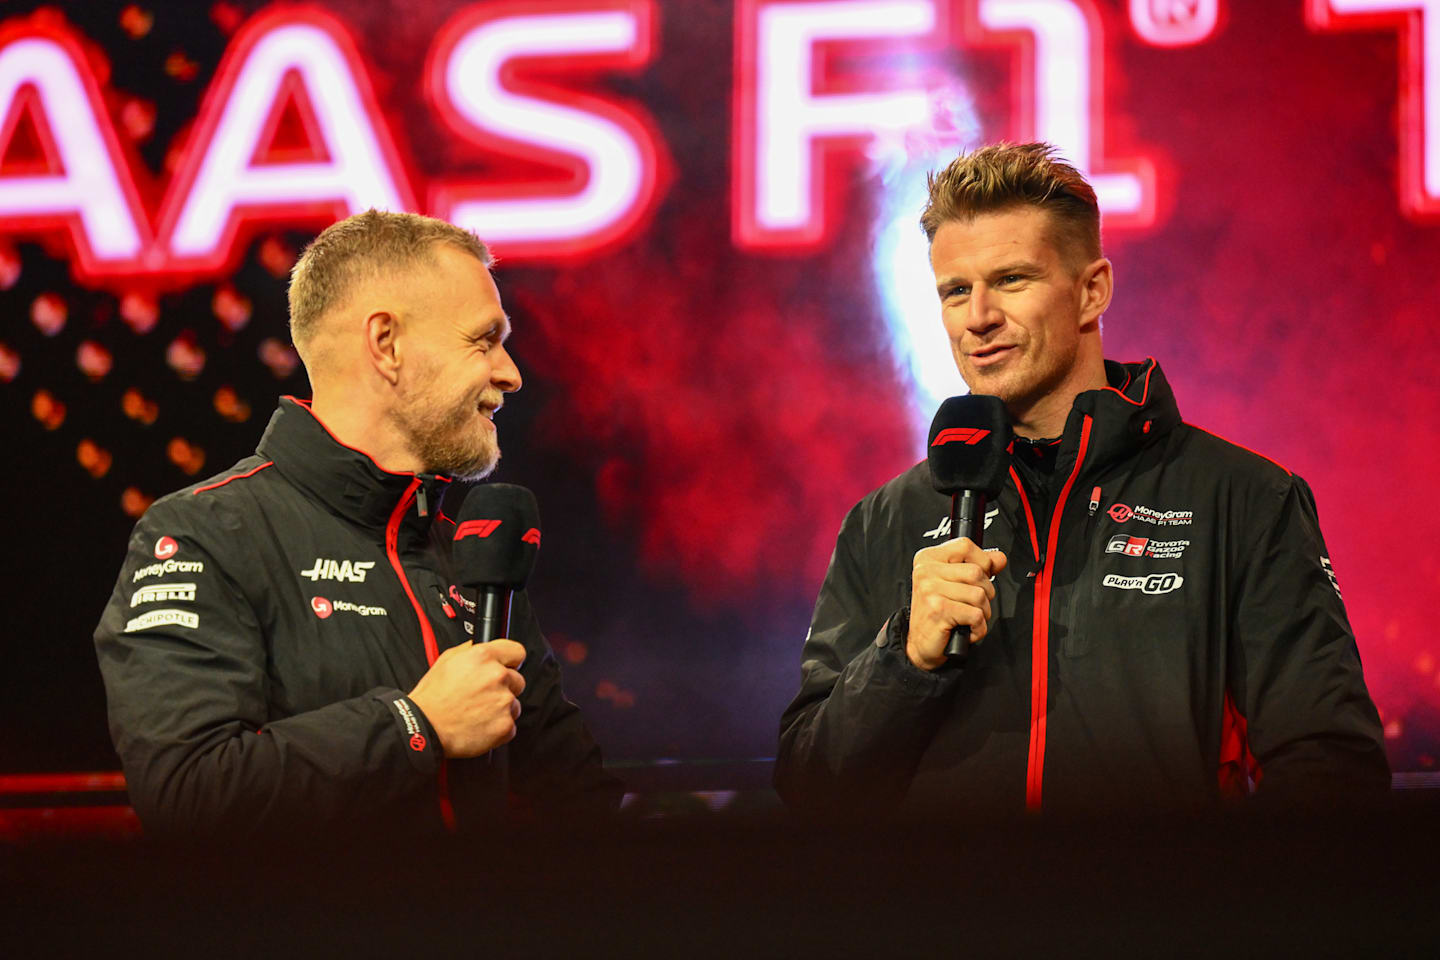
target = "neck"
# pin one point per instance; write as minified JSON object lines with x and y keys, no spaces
{"x":354,"y":423}
{"x":1045,"y":417}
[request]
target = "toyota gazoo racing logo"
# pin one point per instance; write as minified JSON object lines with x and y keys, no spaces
{"x":1154,"y":584}
{"x":1145,"y":547}
{"x":1121,"y":513}
{"x":324,"y":607}
{"x":351,"y":572}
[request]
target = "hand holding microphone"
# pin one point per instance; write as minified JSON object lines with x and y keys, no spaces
{"x":950,"y":591}
{"x":471,"y":694}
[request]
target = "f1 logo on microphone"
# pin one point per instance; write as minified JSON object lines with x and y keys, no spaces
{"x":476,"y":528}
{"x":532,"y":536}
{"x":966,"y":435}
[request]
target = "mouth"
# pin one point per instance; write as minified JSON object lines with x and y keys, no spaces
{"x":991,"y":354}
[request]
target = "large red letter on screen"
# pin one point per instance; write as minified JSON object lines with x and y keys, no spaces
{"x":297,"y":53}
{"x":83,"y":185}
{"x":609,"y":151}
{"x":783,"y":127}
{"x":1419,"y":23}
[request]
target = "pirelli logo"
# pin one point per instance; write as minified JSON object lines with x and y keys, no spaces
{"x":164,"y":593}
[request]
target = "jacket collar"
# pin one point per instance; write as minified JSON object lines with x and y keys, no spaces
{"x":346,"y":480}
{"x":1136,"y":409}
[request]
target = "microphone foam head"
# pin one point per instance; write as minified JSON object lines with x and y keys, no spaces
{"x":967,"y":451}
{"x":497,"y":536}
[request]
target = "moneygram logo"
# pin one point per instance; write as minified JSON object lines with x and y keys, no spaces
{"x":338,"y":570}
{"x":323,"y":608}
{"x":169,"y":566}
{"x":1144,"y":547}
{"x":1156,"y":583}
{"x":1120,"y":513}
{"x":164,"y":592}
{"x":165,"y":548}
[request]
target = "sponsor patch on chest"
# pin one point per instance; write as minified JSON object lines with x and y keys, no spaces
{"x":1145,"y":547}
{"x":348,"y":571}
{"x":1155,"y":583}
{"x":1124,"y":513}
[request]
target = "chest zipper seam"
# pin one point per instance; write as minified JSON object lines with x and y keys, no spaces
{"x":1040,"y":634}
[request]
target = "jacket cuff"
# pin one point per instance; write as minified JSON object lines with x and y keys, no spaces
{"x":419,"y":741}
{"x":893,"y":659}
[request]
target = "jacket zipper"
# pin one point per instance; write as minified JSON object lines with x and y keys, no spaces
{"x":427,"y":634}
{"x":1040,"y":638}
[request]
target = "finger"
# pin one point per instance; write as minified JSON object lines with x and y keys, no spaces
{"x":971,"y":573}
{"x":959,"y":550}
{"x":514,"y":682}
{"x":507,"y":652}
{"x":975,"y":595}
{"x":515,"y":710}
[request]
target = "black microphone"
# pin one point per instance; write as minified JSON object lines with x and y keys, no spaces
{"x":968,"y":460}
{"x":497,"y":535}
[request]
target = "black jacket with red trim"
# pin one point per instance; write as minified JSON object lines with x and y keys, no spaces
{"x":1186,"y":608}
{"x":259,"y":642}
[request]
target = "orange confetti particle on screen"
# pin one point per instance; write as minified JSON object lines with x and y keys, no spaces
{"x":279,"y":357}
{"x":9,"y":364}
{"x":229,"y":405}
{"x":185,"y":356}
{"x":9,"y":265}
{"x":93,"y":360}
{"x":48,"y":312}
{"x":139,"y":311}
{"x":134,"y":503}
{"x":135,"y":21}
{"x":181,"y":67}
{"x":138,"y":119}
{"x":138,"y":408}
{"x":232,"y":308}
{"x":574,"y":651}
{"x":49,"y":411}
{"x":94,"y":458}
{"x":185,"y":455}
{"x":276,"y":256}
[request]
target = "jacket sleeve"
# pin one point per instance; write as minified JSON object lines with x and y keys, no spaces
{"x":186,"y":684}
{"x":1295,"y":669}
{"x":852,"y":737}
{"x":555,"y":765}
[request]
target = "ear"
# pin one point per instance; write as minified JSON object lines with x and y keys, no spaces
{"x":1097,"y":282}
{"x":382,"y":344}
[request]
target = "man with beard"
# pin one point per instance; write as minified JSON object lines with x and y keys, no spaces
{"x":1155,"y":623}
{"x":286,"y":646}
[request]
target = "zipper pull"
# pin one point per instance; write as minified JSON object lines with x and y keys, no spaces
{"x":421,"y":503}
{"x":1094,"y":501}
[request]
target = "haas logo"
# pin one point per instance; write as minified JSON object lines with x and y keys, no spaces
{"x":1120,"y":513}
{"x":476,"y":528}
{"x":322,"y":607}
{"x":165,"y":548}
{"x":966,"y":435}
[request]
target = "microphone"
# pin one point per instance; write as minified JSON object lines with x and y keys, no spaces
{"x":968,"y":461}
{"x":497,"y":536}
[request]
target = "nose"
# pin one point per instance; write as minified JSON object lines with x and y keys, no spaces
{"x":504,"y":375}
{"x":984,"y":313}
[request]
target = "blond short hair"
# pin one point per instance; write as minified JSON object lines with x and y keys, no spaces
{"x":1002,"y":176}
{"x":360,"y":247}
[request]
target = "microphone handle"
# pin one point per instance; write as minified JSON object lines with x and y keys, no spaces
{"x":967,"y":519}
{"x":492,"y":613}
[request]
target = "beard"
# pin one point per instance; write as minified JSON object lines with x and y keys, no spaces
{"x":447,"y":439}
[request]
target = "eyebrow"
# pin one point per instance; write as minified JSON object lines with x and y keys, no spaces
{"x":500,"y":327}
{"x":1027,"y":267}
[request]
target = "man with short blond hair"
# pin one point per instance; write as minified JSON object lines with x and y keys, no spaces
{"x":287,"y":644}
{"x":1155,"y":621}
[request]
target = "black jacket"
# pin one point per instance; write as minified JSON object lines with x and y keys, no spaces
{"x":1186,"y":610}
{"x":265,"y":627}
